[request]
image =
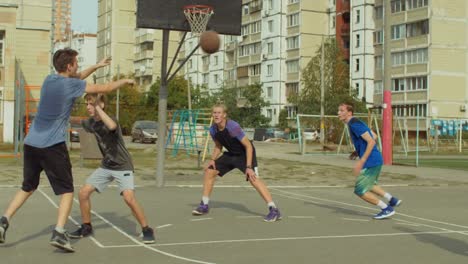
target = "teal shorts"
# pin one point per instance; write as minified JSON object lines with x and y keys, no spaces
{"x":367,"y":179}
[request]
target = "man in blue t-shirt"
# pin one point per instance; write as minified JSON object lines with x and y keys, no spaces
{"x":369,"y":165}
{"x":240,"y":155}
{"x":44,"y":146}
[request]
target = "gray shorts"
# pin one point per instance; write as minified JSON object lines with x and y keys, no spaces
{"x":101,"y":178}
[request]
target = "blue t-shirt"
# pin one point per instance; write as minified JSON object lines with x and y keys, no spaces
{"x":50,"y":124}
{"x":357,"y":128}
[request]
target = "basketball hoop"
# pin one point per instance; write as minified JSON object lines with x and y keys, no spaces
{"x":198,"y":17}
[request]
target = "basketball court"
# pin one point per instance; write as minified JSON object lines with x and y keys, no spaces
{"x":320,"y":224}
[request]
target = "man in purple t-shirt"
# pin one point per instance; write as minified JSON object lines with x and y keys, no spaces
{"x":240,"y":155}
{"x":44,"y":146}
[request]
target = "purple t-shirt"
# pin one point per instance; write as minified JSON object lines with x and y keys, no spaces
{"x":50,"y":124}
{"x":230,"y":137}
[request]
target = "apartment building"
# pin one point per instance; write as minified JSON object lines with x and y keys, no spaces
{"x":62,"y":19}
{"x":115,"y":37}
{"x":421,"y":56}
{"x":25,"y":47}
{"x":278,"y":39}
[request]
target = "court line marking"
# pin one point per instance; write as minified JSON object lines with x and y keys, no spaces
{"x":360,"y":206}
{"x":279,"y":186}
{"x":300,"y":217}
{"x":125,"y":234}
{"x":200,"y":219}
{"x":356,"y":219}
{"x":303,"y":238}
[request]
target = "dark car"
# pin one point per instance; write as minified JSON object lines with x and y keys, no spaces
{"x":145,"y":131}
{"x":74,"y":135}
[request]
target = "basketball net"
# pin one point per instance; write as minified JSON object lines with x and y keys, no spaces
{"x":198,"y":17}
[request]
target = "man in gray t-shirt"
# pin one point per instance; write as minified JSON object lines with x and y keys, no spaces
{"x":116,"y":166}
{"x":44,"y":146}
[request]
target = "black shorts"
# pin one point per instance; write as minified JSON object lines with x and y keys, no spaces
{"x":54,"y":160}
{"x":228,"y":162}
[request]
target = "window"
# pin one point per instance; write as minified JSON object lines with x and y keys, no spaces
{"x":378,"y":62}
{"x":293,"y":20}
{"x":398,"y":31}
{"x":292,"y":111}
{"x":245,"y":10}
{"x":292,"y":66}
{"x":398,"y":85}
{"x":215,"y":62}
{"x":269,"y":92}
{"x":416,"y":56}
{"x":206,"y":60}
{"x":215,"y":78}
{"x":378,"y":12}
{"x":417,"y":28}
{"x":270,"y":47}
{"x":254,"y":69}
{"x":416,"y":83}
{"x":292,"y":42}
{"x":189,"y":64}
{"x":292,"y":89}
{"x":270,"y":26}
{"x":357,"y":65}
{"x":333,"y":21}
{"x":269,"y":113}
{"x":358,"y":16}
{"x":243,"y":50}
{"x":398,"y":58}
{"x":397,"y":6}
{"x":378,"y":87}
{"x":256,"y":27}
{"x":2,"y":55}
{"x":358,"y":40}
{"x":270,"y":4}
{"x":270,"y":70}
{"x":245,"y":30}
{"x":378,"y":37}
{"x":205,"y":78}
{"x":293,"y":1}
{"x":412,"y":4}
{"x":255,"y":48}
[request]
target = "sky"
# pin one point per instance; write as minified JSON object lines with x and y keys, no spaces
{"x":84,"y":15}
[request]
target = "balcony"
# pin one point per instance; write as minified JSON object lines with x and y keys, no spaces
{"x":145,"y":38}
{"x":147,"y":54}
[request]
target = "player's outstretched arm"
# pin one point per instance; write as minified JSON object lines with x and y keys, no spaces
{"x":106,"y":119}
{"x":107,"y":87}
{"x":86,"y":72}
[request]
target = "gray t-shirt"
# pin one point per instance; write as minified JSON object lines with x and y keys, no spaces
{"x":50,"y":124}
{"x":111,"y":143}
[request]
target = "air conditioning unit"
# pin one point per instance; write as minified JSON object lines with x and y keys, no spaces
{"x":266,"y":12}
{"x":265,"y":57}
{"x":462,"y":108}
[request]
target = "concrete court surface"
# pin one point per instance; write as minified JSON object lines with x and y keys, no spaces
{"x":319,"y":225}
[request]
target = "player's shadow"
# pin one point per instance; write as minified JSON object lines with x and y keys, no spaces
{"x":339,"y":209}
{"x":453,"y":245}
{"x":127,"y":222}
{"x":234,"y":206}
{"x":43,"y":232}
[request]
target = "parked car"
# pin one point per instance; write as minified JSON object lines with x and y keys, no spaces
{"x":74,"y":135}
{"x":145,"y":131}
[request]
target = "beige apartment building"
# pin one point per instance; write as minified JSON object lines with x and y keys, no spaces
{"x":278,"y":39}
{"x":421,"y":56}
{"x":133,"y":51}
{"x":25,"y":50}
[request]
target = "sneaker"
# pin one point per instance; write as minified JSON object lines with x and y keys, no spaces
{"x":385,"y":213}
{"x":148,"y":235}
{"x":84,"y":231}
{"x":394,"y":202}
{"x":273,"y":215}
{"x":201,"y":209}
{"x":3,"y":228}
{"x":61,"y":241}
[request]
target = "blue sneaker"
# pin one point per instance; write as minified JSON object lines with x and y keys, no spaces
{"x":394,"y":202}
{"x":273,"y":215}
{"x":3,"y":228}
{"x":385,"y":213}
{"x":201,"y":209}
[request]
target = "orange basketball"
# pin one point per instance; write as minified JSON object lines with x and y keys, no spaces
{"x":209,"y":41}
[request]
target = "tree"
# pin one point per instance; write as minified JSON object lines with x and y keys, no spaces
{"x":337,"y":87}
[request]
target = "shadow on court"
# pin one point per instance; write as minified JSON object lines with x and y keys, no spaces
{"x":318,"y":226}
